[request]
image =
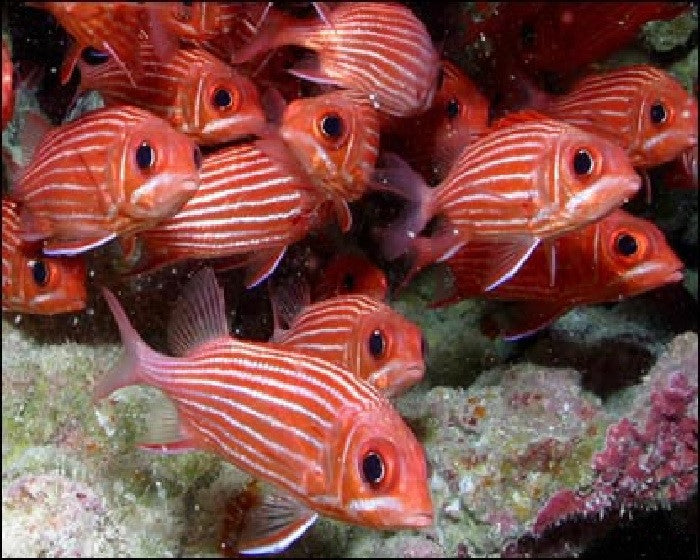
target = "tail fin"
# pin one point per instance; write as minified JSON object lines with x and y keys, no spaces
{"x":129,"y":370}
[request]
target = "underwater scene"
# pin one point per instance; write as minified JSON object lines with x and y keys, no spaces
{"x":349,"y":279}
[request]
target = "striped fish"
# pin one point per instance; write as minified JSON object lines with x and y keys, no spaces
{"x":531,"y":178}
{"x":641,"y":108}
{"x":335,"y":136}
{"x":253,"y":201}
{"x":379,"y":49}
{"x":326,"y":439}
{"x":364,"y":336}
{"x":111,"y":172}
{"x":35,"y":284}
{"x":193,"y":90}
{"x":8,"y":92}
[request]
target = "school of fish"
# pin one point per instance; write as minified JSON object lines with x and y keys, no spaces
{"x":233,"y":131}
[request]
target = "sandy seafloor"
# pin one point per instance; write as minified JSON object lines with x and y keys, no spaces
{"x":503,"y":423}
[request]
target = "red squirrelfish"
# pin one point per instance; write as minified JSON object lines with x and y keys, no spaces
{"x":253,"y":201}
{"x":349,"y":273}
{"x":530,"y":179}
{"x":32,"y":283}
{"x":193,"y":90}
{"x":616,"y":257}
{"x":641,"y":108}
{"x":335,"y":137}
{"x":111,"y":172}
{"x":431,"y":141}
{"x":379,"y":49}
{"x":363,"y":335}
{"x":8,"y":92}
{"x":331,"y":442}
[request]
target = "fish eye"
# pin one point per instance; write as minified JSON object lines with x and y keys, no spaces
{"x":94,"y":57}
{"x":222,"y":98}
{"x":376,"y":343}
{"x":349,"y":281}
{"x":583,"y":163}
{"x":658,"y":113}
{"x":373,"y":470}
{"x":332,"y":126}
{"x":453,"y":106}
{"x":40,"y":273}
{"x":197,"y":157}
{"x":626,"y":244}
{"x":145,"y":156}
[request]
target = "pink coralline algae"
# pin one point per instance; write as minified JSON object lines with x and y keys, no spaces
{"x":651,"y":457}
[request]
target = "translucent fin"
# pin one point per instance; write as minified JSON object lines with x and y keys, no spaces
{"x":70,"y":247}
{"x":262,"y":265}
{"x":165,"y":433}
{"x":287,"y":299}
{"x":199,"y":315}
{"x":308,"y":69}
{"x":508,"y":260}
{"x":274,"y":524}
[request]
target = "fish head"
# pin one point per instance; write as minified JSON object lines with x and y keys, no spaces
{"x":220,"y":105}
{"x":637,"y":255}
{"x":53,"y":285}
{"x":336,"y":139}
{"x":351,"y":274}
{"x":667,"y":122}
{"x":381,"y":471}
{"x":389,"y":350}
{"x":593,"y":176}
{"x":158,"y":170}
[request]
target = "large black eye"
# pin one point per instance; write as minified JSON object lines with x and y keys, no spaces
{"x":583,"y":163}
{"x":197,"y":157}
{"x":94,"y":57}
{"x":332,"y":125}
{"x":626,"y":244}
{"x":372,"y":468}
{"x":222,"y":98}
{"x":452,"y":108}
{"x":40,"y":273}
{"x":657,"y":113}
{"x":376,"y":343}
{"x":349,"y":281}
{"x":145,"y":156}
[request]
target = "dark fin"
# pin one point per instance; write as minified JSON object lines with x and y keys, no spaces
{"x":343,"y":214}
{"x":273,"y":105}
{"x":507,"y":260}
{"x":261,"y":265}
{"x":523,"y":318}
{"x":519,"y":117}
{"x":324,"y":13}
{"x":129,"y":370}
{"x":70,"y":61}
{"x":130,"y":248}
{"x":308,"y":69}
{"x":68,"y":248}
{"x":274,"y":524}
{"x":165,"y":434}
{"x":287,"y":299}
{"x":199,"y":315}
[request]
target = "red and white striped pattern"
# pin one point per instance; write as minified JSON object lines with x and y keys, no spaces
{"x":248,"y":201}
{"x":10,"y":248}
{"x":180,"y":90}
{"x":83,"y":181}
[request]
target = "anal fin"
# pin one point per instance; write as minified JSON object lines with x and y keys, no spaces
{"x":508,"y":260}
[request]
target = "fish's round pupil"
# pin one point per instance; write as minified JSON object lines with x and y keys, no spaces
{"x":372,"y":468}
{"x":452,"y":108}
{"x":626,"y":244}
{"x":222,"y":98}
{"x":332,"y":125}
{"x":145,"y":156}
{"x":40,"y":273}
{"x":376,"y":343}
{"x":583,"y":163}
{"x":349,"y":281}
{"x":197,"y":157}
{"x":94,"y":57}
{"x":657,"y":113}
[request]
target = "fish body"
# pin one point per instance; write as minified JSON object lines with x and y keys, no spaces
{"x":379,"y":49}
{"x":8,"y":92}
{"x":641,"y":108}
{"x":349,"y":273}
{"x":363,"y":335}
{"x":32,"y":283}
{"x":111,"y":172}
{"x":253,"y":201}
{"x":531,"y":178}
{"x":617,"y":257}
{"x":193,"y":90}
{"x":311,"y":428}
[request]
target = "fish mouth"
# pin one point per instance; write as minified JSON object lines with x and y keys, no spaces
{"x":654,"y":274}
{"x":146,"y":204}
{"x":395,"y":378}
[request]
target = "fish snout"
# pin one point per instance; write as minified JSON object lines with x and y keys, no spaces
{"x":162,"y":196}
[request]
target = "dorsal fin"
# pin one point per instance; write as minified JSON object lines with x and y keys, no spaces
{"x":519,"y":117}
{"x":199,"y":315}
